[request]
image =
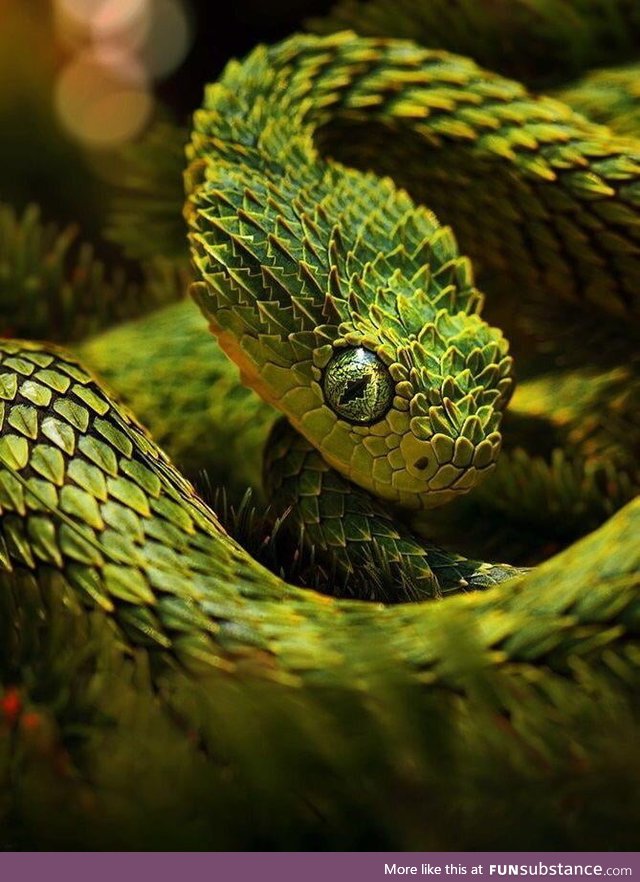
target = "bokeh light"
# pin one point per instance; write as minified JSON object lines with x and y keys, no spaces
{"x":99,"y":106}
{"x":169,"y":38}
{"x":103,"y":94}
{"x":82,"y":11}
{"x":119,"y":64}
{"x":121,"y":18}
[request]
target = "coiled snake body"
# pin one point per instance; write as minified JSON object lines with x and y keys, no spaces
{"x":348,"y":307}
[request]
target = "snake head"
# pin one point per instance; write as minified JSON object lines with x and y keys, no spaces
{"x":350,"y":309}
{"x":418,"y":413}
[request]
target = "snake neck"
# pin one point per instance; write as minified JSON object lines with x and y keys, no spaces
{"x":304,"y":261}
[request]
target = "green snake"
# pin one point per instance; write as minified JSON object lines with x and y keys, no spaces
{"x":131,"y":618}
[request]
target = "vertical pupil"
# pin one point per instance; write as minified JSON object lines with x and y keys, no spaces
{"x":354,"y":389}
{"x":357,"y":385}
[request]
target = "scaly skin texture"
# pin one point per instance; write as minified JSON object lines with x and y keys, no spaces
{"x":307,"y":262}
{"x":107,"y":547}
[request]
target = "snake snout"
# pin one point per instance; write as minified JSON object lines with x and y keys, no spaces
{"x":441,"y":465}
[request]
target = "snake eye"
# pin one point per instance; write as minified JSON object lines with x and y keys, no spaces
{"x":358,"y":386}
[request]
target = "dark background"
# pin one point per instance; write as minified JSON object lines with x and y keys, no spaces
{"x":226,"y":30}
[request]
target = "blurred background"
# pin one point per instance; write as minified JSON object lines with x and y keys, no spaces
{"x":82,"y":79}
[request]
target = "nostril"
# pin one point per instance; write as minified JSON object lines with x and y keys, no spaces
{"x":421,"y":463}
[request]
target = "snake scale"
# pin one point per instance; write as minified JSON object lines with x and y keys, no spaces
{"x":162,"y":686}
